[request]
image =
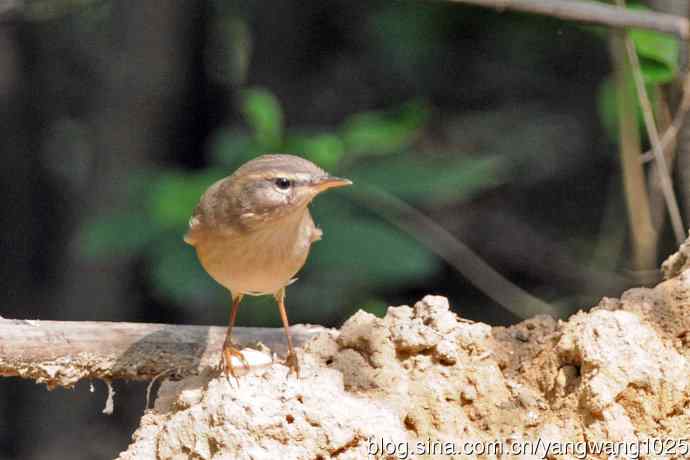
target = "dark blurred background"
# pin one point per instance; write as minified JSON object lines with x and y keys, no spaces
{"x":116,"y":115}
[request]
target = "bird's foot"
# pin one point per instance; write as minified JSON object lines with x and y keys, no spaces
{"x":292,"y":362}
{"x":230,"y":351}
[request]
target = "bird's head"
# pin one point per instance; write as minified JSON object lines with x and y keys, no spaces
{"x":272,"y":187}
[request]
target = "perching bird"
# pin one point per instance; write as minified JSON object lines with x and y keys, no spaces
{"x":252,"y":232}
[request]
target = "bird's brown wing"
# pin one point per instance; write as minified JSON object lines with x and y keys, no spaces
{"x":208,"y":213}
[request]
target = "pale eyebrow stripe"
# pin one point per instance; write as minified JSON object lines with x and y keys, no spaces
{"x":273,"y":175}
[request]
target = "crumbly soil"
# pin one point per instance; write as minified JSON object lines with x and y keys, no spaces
{"x":618,"y":372}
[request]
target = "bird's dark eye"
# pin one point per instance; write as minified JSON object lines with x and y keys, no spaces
{"x":283,"y":183}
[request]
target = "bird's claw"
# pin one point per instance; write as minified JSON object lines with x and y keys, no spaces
{"x":292,"y":362}
{"x":229,"y":350}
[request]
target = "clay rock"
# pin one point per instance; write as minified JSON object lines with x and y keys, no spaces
{"x":418,"y":373}
{"x":677,"y":262}
{"x":615,"y":350}
{"x":423,"y":374}
{"x":269,"y":415}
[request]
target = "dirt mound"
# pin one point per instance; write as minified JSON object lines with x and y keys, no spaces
{"x":421,"y":380}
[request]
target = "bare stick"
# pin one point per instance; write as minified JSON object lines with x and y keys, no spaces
{"x":60,"y":353}
{"x":653,"y":133}
{"x":656,"y":193}
{"x":642,"y":231}
{"x":592,"y":12}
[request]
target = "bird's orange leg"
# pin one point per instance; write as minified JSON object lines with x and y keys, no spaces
{"x":229,"y":349}
{"x":291,"y":359}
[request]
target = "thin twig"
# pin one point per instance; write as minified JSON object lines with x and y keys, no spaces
{"x":668,"y":139}
{"x":149,"y":387}
{"x":592,"y":12}
{"x":656,"y":193}
{"x":653,"y":133}
{"x":457,"y":254}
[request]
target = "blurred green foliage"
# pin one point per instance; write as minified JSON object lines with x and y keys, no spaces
{"x":362,"y":254}
{"x":376,"y":133}
{"x":263,"y":113}
{"x":658,"y":55}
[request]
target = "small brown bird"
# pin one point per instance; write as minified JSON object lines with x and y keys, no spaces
{"x":252,"y":232}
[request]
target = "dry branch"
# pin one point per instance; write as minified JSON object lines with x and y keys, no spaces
{"x":670,"y":136}
{"x":643,"y":234}
{"x":59,"y":353}
{"x":653,"y":134}
{"x":591,"y":12}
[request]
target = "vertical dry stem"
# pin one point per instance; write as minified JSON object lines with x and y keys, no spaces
{"x":643,"y":234}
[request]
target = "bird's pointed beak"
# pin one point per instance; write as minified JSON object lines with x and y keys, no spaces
{"x":327,"y":182}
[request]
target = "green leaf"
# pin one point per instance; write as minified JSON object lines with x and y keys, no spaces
{"x":658,"y":55}
{"x":381,"y":132}
{"x":370,"y":251}
{"x":428,"y":181}
{"x":658,"y":52}
{"x":263,"y":113}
